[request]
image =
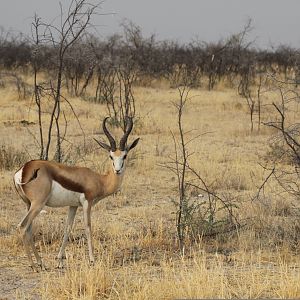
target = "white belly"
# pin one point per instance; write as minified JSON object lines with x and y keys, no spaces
{"x":60,"y":196}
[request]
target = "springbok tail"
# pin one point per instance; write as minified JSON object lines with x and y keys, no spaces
{"x":34,"y":176}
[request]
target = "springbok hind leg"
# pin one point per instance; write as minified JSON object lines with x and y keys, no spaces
{"x":26,"y":231}
{"x":26,"y":242}
{"x":35,"y":252}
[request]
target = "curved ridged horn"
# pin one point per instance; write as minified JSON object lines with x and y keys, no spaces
{"x":109,"y":136}
{"x":129,"y":125}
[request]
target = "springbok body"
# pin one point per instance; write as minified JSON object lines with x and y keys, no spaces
{"x":42,"y":183}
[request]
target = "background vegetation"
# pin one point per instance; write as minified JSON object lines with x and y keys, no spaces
{"x":210,"y":204}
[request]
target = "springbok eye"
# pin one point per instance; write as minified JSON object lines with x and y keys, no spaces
{"x":125,"y":156}
{"x":111,"y":157}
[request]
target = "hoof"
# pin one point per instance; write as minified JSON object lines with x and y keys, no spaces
{"x":43,"y":267}
{"x":60,"y":265}
{"x":92,"y":263}
{"x":34,"y":268}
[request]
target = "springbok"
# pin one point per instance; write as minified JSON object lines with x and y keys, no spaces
{"x":45,"y":183}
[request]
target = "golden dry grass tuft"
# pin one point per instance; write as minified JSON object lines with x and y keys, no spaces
{"x":134,"y":231}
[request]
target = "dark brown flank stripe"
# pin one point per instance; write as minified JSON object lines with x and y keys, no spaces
{"x":68,"y":183}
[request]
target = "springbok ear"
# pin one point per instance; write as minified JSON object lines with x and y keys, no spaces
{"x":133,"y":144}
{"x":103,"y":145}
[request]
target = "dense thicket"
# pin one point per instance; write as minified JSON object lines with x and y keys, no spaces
{"x":94,"y":58}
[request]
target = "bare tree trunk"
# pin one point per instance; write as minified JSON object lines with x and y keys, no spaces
{"x":70,"y":29}
{"x":183,"y":96}
{"x":37,"y":91}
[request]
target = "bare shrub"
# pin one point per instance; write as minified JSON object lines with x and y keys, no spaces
{"x":276,"y":223}
{"x":15,"y":80}
{"x":10,"y":158}
{"x":62,"y":37}
{"x":286,"y":160}
{"x":196,"y":216}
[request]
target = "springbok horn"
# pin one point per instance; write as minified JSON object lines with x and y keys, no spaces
{"x":109,"y":136}
{"x":129,"y":125}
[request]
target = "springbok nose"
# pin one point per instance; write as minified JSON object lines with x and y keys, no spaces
{"x":118,"y":171}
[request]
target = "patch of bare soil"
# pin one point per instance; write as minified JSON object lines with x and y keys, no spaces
{"x":17,"y":279}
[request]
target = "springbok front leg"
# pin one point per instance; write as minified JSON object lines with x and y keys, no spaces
{"x":69,"y":224}
{"x":87,"y":205}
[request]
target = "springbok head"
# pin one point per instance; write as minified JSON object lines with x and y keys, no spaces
{"x":118,"y":155}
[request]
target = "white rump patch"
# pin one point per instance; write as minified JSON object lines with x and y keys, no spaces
{"x":18,"y":177}
{"x":61,"y":196}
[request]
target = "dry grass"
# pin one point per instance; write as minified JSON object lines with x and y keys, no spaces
{"x":134,"y":233}
{"x":250,"y":275}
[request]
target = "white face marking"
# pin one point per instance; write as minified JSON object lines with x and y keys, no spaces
{"x":118,"y":161}
{"x":61,"y":196}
